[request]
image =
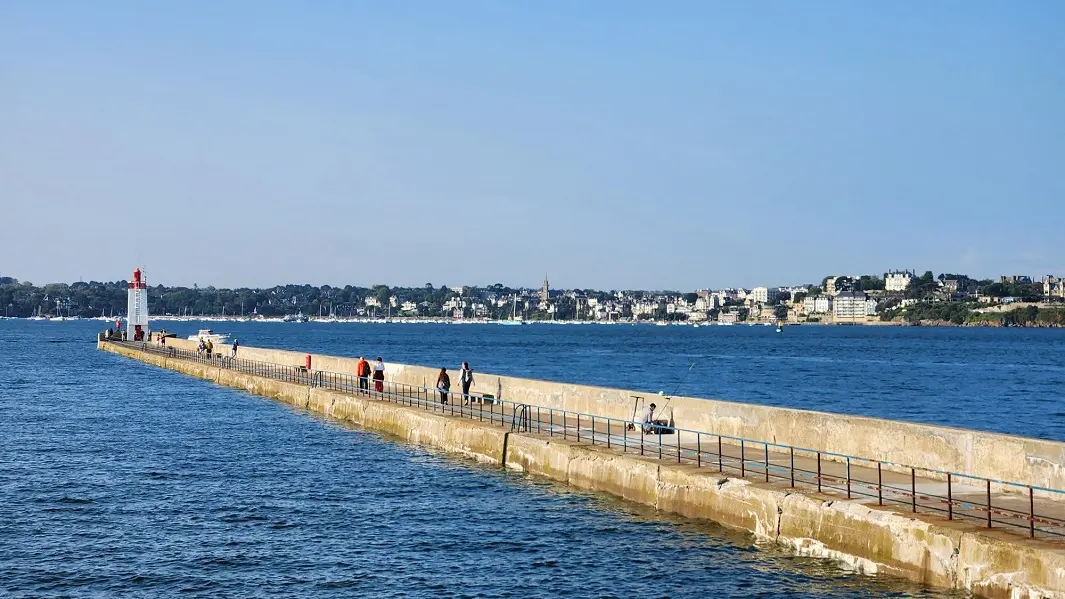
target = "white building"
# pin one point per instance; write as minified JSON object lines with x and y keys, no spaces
{"x":870,"y":307}
{"x":897,"y":280}
{"x":818,"y":304}
{"x":822,"y":304}
{"x":850,"y":306}
{"x":764,"y":295}
{"x":707,"y":303}
{"x":1053,"y":287}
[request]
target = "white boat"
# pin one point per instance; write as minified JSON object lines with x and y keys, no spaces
{"x":205,"y":334}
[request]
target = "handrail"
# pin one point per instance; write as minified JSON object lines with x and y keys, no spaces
{"x":613,"y":432}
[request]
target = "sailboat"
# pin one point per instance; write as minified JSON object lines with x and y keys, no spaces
{"x":514,"y":319}
{"x":37,"y":315}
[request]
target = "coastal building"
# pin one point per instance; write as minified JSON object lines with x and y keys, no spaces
{"x":817,"y":304}
{"x":898,"y":280}
{"x":850,"y":306}
{"x":728,"y":318}
{"x":1053,"y":287}
{"x":1015,"y":280}
{"x":822,"y":304}
{"x":950,"y":286}
{"x":764,"y":295}
{"x":870,"y":307}
{"x":707,"y":303}
{"x":545,"y":291}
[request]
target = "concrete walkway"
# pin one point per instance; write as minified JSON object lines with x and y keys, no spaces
{"x":901,"y":491}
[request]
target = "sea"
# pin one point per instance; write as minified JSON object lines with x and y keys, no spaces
{"x":118,"y":479}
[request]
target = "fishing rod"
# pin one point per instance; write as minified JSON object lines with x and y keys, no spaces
{"x":676,"y":388}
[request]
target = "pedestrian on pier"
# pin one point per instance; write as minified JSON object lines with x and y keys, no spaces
{"x":443,"y":385}
{"x":466,"y":379}
{"x":362,"y":370}
{"x":210,"y":348}
{"x":235,"y":344}
{"x":379,"y":375}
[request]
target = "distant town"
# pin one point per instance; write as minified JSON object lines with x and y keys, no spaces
{"x":895,"y":297}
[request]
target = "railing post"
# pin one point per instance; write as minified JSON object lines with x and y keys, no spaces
{"x":565,"y":433}
{"x":791,"y":453}
{"x":950,"y":500}
{"x":913,"y":488}
{"x":625,"y":439}
{"x":819,"y":472}
{"x":660,"y":443}
{"x":677,"y":432}
{"x":1031,"y":513}
{"x":698,"y":450}
{"x":720,"y":462}
{"x":989,"y":503}
{"x":766,"y":462}
{"x":879,"y":485}
{"x":848,"y":477}
{"x":593,"y":429}
{"x":743,"y":461}
{"x":537,"y":420}
{"x":551,"y":424}
{"x":609,"y":421}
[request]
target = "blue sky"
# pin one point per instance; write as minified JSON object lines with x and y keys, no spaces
{"x":610,"y":144}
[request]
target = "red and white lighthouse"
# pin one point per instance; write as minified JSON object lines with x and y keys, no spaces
{"x":137,"y":308}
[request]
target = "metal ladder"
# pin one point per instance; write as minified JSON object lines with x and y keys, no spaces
{"x":519,"y":418}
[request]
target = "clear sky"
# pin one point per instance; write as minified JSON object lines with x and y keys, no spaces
{"x":611,"y":144}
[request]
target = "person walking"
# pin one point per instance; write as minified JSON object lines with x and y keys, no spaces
{"x":210,"y":348}
{"x":379,"y":375}
{"x":466,"y":380}
{"x":443,"y":385}
{"x":363,"y":372}
{"x":235,"y":344}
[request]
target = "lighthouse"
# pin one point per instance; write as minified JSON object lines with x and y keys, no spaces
{"x":137,"y":308}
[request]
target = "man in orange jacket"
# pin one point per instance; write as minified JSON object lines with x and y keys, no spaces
{"x":363,"y":372}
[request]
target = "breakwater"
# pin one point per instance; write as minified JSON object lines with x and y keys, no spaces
{"x":922,"y":547}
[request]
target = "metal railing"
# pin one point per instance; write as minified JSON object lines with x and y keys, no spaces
{"x":966,"y":497}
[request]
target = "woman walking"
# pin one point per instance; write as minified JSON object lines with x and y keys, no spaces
{"x":466,"y":379}
{"x":443,"y":385}
{"x":379,"y":375}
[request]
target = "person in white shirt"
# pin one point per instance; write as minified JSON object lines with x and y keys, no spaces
{"x":466,"y":378}
{"x":647,"y":420}
{"x":379,"y":375}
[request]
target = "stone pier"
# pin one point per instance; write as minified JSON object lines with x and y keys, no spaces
{"x":923,"y":546}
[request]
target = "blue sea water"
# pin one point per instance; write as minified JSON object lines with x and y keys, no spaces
{"x":120,"y":479}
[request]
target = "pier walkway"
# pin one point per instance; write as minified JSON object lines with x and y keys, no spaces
{"x":997,"y":504}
